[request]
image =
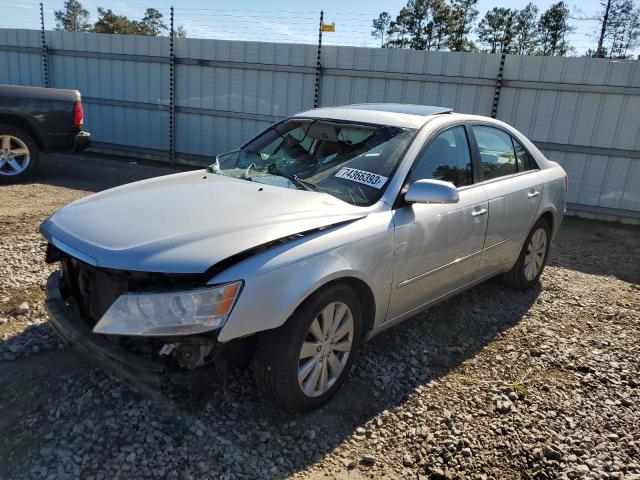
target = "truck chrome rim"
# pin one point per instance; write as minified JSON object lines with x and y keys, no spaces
{"x":14,"y":155}
{"x":325,"y":350}
{"x":534,"y":258}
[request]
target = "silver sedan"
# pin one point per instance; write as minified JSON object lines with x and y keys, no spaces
{"x":319,"y":233}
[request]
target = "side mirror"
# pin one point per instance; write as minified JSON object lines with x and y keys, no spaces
{"x":432,"y":191}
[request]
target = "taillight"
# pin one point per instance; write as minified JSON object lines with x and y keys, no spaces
{"x":78,"y":114}
{"x":566,"y":183}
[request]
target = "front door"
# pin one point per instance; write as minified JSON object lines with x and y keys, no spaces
{"x":438,"y":247}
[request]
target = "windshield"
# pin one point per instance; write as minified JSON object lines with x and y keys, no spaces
{"x":352,"y":162}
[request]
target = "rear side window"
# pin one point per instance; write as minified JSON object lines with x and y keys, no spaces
{"x":524,"y":158}
{"x":497,"y":157}
{"x":446,"y":158}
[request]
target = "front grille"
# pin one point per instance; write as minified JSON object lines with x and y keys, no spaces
{"x":90,"y":290}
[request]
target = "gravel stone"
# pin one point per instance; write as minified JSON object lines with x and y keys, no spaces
{"x":368,"y":460}
{"x":503,"y":406}
{"x":494,"y":383}
{"x":552,"y":454}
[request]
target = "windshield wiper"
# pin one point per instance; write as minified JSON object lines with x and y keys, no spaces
{"x":305,"y":184}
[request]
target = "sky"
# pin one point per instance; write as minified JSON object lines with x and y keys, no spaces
{"x":283,"y":21}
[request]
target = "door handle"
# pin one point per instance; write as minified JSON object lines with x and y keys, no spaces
{"x":477,"y":213}
{"x":533,"y":193}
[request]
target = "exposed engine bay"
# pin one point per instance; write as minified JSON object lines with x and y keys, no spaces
{"x":91,"y":290}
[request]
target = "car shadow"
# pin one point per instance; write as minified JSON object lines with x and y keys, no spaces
{"x":389,"y":369}
{"x":97,"y":172}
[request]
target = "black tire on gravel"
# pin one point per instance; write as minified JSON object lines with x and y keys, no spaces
{"x":516,"y":276}
{"x":32,"y":146}
{"x":277,"y":351}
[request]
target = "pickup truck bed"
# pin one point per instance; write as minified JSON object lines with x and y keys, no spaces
{"x":34,"y":120}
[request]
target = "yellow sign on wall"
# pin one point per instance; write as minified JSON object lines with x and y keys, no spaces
{"x":325,"y":27}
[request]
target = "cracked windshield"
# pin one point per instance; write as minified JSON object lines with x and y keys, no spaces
{"x":352,"y":162}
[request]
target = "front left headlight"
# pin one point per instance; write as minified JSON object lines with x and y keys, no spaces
{"x":170,"y":313}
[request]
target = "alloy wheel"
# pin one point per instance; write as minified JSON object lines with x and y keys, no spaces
{"x":536,"y":251}
{"x":326,"y":348}
{"x":14,"y":155}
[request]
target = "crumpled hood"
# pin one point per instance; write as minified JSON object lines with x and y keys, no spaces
{"x":187,"y":222}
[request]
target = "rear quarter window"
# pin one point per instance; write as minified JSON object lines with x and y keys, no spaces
{"x":524,"y":158}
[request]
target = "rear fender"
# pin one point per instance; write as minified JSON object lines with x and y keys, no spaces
{"x":27,"y":124}
{"x":553,"y":196}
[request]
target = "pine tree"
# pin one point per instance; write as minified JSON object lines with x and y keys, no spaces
{"x":416,"y":23}
{"x":397,"y":31}
{"x":609,"y":8}
{"x":495,"y":28}
{"x":463,"y":14}
{"x":180,"y":32}
{"x":553,"y":28}
{"x":153,"y":22}
{"x":441,"y":15}
{"x":420,"y":25}
{"x":622,"y":31}
{"x":74,"y":17}
{"x":380,"y":26}
{"x":525,"y":33}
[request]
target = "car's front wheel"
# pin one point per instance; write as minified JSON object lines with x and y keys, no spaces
{"x":302,"y":364}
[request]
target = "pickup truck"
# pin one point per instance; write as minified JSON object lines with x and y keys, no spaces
{"x":35,"y":120}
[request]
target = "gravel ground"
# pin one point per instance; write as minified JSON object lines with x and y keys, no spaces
{"x":494,"y":383}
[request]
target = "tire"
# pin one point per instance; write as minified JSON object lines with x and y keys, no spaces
{"x":520,"y":276}
{"x":278,"y":362}
{"x":14,"y":168}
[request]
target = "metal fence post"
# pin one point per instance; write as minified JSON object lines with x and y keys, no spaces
{"x":43,"y":49}
{"x":496,"y":93}
{"x":316,"y":100}
{"x":172,"y":96}
{"x":503,"y":56}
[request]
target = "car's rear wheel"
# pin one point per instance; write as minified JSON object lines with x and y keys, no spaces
{"x":302,"y":364}
{"x":18,"y":154}
{"x":533,"y":257}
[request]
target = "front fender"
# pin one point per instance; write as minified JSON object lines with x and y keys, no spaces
{"x":362,"y":250}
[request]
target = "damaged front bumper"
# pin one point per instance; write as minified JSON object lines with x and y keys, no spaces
{"x":142,"y":372}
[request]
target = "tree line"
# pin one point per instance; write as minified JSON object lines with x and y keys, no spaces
{"x":449,"y":25}
{"x":435,"y":25}
{"x":75,"y":18}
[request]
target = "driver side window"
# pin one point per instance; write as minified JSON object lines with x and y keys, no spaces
{"x":446,"y":158}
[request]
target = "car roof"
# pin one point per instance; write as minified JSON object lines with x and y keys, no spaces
{"x":396,"y":114}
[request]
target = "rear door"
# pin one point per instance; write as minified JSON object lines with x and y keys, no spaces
{"x":513,"y":187}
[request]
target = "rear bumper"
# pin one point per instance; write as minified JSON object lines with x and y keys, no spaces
{"x":81,"y":141}
{"x":143,"y":373}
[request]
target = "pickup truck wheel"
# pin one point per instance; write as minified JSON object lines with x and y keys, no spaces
{"x":18,"y":154}
{"x":533,"y":257}
{"x":302,"y":364}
